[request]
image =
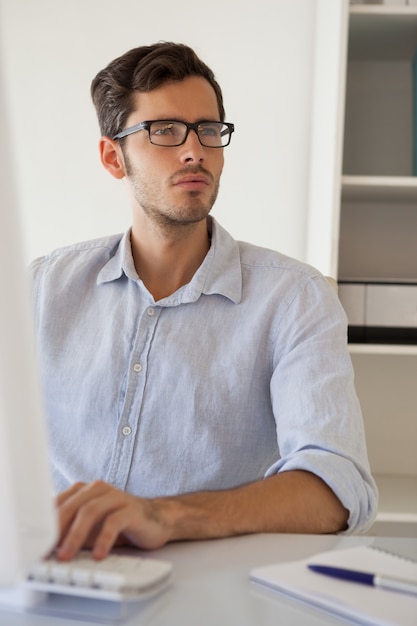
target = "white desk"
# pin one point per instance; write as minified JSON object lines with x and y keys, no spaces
{"x":211,"y":586}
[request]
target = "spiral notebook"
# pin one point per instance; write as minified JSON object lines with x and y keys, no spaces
{"x":359,"y":604}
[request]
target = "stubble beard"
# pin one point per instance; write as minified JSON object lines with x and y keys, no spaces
{"x":169,"y":218}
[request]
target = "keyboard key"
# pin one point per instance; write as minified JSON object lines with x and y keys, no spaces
{"x":111,"y":578}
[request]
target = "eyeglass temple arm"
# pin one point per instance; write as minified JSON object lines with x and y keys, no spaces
{"x":129,"y":131}
{"x":228,"y":130}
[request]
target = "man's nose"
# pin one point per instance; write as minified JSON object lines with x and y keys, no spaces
{"x":192,"y":150}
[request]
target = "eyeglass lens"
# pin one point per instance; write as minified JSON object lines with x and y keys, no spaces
{"x":171,"y":133}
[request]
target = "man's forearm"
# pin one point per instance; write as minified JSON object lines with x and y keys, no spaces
{"x":293,"y":501}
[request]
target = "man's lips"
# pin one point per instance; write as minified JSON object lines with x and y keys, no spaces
{"x":191,"y":181}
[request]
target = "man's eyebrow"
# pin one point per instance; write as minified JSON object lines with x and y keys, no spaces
{"x":185,"y":121}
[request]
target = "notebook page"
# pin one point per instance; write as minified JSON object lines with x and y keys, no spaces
{"x":360,"y":603}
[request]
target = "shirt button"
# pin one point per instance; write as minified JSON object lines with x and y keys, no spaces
{"x":126,"y":430}
{"x":151,"y":311}
{"x":137,"y":367}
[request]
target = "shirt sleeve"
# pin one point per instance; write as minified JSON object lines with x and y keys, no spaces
{"x":318,"y":417}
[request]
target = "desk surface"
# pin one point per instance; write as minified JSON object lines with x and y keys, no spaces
{"x":211,"y":586}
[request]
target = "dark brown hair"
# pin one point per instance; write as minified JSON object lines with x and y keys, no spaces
{"x":141,"y":70}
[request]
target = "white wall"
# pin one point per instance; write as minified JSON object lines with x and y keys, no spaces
{"x":262,"y":54}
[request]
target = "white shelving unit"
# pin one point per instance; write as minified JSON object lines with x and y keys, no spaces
{"x":378,"y":239}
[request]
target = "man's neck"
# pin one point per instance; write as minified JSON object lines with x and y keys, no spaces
{"x":165,"y":261}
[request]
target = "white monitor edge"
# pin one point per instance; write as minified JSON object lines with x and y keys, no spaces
{"x":27,"y":516}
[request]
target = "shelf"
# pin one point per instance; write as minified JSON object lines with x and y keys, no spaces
{"x":379,"y":188}
{"x":383,"y":349}
{"x":382,"y":32}
{"x":381,"y":9}
{"x":397,"y":498}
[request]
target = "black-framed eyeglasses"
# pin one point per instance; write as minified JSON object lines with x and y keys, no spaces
{"x":171,"y":133}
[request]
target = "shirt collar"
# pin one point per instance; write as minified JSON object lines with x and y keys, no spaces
{"x":114,"y":267}
{"x":220,"y":272}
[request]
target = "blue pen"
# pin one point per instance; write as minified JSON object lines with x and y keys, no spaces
{"x":365,"y":578}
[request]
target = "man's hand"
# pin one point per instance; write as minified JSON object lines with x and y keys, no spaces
{"x":100,"y":516}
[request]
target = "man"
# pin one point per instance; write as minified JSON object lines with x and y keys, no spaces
{"x":196,"y":387}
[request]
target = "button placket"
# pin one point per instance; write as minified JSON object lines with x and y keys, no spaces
{"x":131,"y":414}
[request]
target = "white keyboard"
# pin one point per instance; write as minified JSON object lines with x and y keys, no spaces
{"x":117,"y":577}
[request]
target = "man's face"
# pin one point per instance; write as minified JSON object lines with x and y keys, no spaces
{"x":174,"y":185}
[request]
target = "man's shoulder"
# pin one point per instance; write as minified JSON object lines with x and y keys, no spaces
{"x":267,"y":270}
{"x":257,"y":258}
{"x":93,"y":251}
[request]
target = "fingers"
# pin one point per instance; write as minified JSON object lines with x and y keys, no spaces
{"x":114,"y":524}
{"x":98,"y":515}
{"x":62,"y":497}
{"x":65,"y":511}
{"x":82,"y":509}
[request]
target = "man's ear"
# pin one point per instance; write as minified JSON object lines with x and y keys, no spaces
{"x":112,"y":157}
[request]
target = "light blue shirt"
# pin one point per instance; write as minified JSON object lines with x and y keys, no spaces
{"x":242,"y":373}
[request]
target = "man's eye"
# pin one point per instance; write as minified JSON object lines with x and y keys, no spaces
{"x":209,"y":131}
{"x":167,"y":129}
